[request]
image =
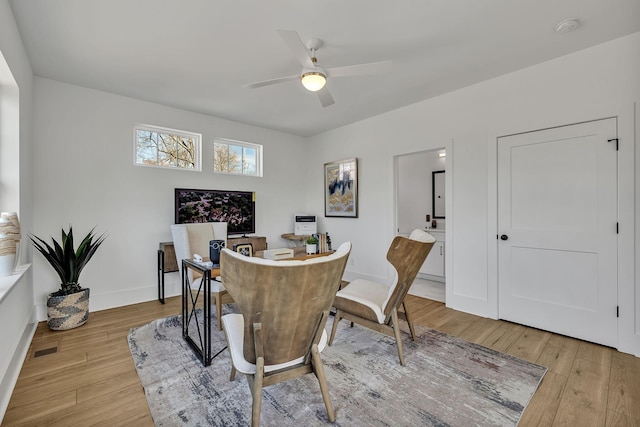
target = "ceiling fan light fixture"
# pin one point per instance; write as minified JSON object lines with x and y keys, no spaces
{"x":313,"y":81}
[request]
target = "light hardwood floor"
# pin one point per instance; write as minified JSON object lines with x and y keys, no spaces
{"x":91,"y":380}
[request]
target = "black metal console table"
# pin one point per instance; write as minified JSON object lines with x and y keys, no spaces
{"x":202,"y":322}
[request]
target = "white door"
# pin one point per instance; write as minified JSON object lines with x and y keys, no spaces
{"x":557,"y":225}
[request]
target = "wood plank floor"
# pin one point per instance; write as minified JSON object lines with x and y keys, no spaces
{"x":91,"y":380}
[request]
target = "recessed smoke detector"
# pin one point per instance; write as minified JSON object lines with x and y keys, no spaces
{"x":567,"y":25}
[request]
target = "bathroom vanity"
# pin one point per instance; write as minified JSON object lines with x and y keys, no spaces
{"x":433,"y":267}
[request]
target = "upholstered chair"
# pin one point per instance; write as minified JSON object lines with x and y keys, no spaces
{"x":376,"y":305}
{"x":190,"y":239}
{"x":284,"y":307}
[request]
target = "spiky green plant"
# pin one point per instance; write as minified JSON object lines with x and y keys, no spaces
{"x":67,"y":261}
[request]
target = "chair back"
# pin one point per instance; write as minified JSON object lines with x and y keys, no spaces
{"x":189,"y":239}
{"x":406,"y":254}
{"x":290,"y":299}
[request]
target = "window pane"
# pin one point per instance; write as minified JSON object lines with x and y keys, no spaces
{"x":236,"y":157}
{"x":220,"y":157}
{"x":185,"y":153}
{"x":146,"y":152}
{"x":249,"y":163}
{"x":160,"y":147}
{"x":164,"y":158}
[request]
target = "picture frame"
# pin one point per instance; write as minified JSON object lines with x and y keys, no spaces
{"x":245,"y":249}
{"x":341,"y":188}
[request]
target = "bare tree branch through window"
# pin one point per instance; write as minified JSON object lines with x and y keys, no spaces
{"x":166,"y":148}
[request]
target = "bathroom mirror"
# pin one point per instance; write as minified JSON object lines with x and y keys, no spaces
{"x":437,"y":194}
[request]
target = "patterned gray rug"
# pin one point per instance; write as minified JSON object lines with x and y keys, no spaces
{"x":446,"y":382}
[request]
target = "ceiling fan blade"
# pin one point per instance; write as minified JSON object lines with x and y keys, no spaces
{"x":325,"y":97}
{"x":293,"y":40}
{"x":272,"y":81}
{"x":371,"y":68}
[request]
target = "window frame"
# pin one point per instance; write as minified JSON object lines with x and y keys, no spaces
{"x":243,"y":144}
{"x":197,"y":137}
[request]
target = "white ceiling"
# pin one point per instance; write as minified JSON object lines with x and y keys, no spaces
{"x":198,"y":54}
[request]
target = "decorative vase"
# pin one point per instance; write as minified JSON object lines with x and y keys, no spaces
{"x":311,"y":248}
{"x":7,"y":254}
{"x":68,"y":311}
{"x":7,"y":263}
{"x":10,"y":226}
{"x":13,"y":218}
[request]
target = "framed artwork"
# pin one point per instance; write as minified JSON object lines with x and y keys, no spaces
{"x":341,"y":188}
{"x":245,"y":249}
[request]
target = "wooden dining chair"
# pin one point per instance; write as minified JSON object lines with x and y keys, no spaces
{"x":284,"y":307}
{"x":376,"y":305}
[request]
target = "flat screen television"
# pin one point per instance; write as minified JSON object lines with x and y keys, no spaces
{"x":236,"y":208}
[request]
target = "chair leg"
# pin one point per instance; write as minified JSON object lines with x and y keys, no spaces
{"x":233,"y":373}
{"x":318,"y":369}
{"x":336,"y":320}
{"x":219,"y":309}
{"x":409,"y":321}
{"x":256,"y":391}
{"x":396,"y":332}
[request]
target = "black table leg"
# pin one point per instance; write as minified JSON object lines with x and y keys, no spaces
{"x":161,"y":276}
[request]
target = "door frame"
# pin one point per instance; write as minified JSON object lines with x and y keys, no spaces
{"x":628,"y":286}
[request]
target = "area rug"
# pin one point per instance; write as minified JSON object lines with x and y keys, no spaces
{"x":446,"y":382}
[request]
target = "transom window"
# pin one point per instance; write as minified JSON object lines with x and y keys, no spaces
{"x":167,"y":148}
{"x":242,"y":158}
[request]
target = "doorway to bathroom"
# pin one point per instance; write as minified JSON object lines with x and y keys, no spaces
{"x":420,"y":203}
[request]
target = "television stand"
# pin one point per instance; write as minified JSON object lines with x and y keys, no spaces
{"x":259,"y":243}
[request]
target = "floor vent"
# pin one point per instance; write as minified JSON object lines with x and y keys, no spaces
{"x":45,"y":351}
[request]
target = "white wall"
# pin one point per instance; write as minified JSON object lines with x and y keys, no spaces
{"x":16,"y":307}
{"x":598,"y":82}
{"x":85,"y":177}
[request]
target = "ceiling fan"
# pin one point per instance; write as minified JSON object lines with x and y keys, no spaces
{"x":313,"y":76}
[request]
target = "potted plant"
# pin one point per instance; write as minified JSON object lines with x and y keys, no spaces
{"x":68,"y":307}
{"x":312,"y":244}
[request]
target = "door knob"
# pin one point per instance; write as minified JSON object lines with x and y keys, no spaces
{"x":504,"y":237}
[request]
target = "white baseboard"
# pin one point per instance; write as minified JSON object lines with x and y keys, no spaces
{"x":353,"y":275}
{"x":431,"y":277}
{"x":104,"y":301}
{"x":13,"y":370}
